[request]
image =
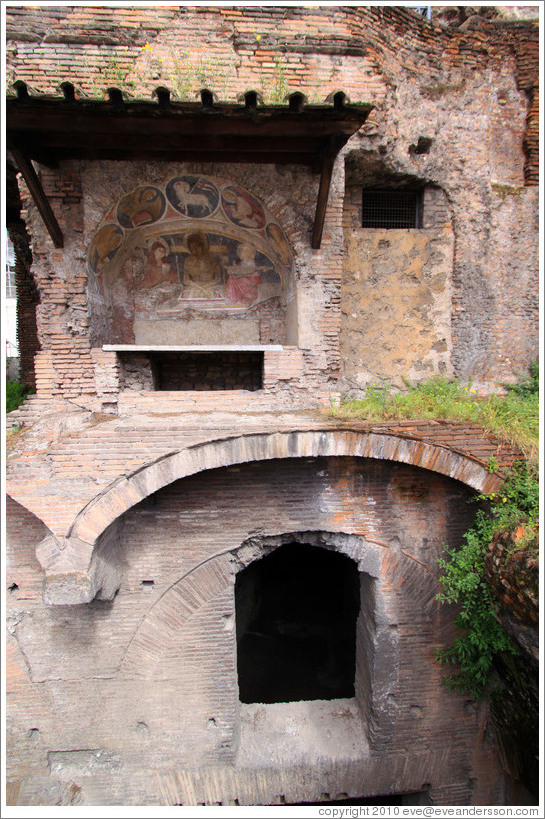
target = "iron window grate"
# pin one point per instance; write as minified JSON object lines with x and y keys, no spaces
{"x":391,"y":209}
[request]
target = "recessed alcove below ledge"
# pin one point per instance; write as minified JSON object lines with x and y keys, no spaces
{"x":193,"y":348}
{"x":290,"y":733}
{"x":191,"y":368}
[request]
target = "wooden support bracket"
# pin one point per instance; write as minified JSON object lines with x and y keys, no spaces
{"x":323,"y":193}
{"x":38,"y":194}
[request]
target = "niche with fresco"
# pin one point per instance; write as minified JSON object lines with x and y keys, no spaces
{"x":198,"y":260}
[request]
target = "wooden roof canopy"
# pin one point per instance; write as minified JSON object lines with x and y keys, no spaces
{"x":49,"y":129}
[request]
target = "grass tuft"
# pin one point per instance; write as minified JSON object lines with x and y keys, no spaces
{"x":512,"y":418}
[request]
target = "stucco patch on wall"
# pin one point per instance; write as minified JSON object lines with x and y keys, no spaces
{"x":396,"y":303}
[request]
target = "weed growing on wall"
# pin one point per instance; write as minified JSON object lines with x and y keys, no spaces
{"x":277,"y":87}
{"x":528,"y":385}
{"x":192,"y":73}
{"x":512,"y":417}
{"x":464,"y":581}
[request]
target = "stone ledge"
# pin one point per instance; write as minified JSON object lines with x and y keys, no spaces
{"x":193,"y":348}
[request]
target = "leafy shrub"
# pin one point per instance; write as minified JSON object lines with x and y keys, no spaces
{"x":464,"y":582}
{"x":528,"y":385}
{"x":15,"y":395}
{"x":511,"y":417}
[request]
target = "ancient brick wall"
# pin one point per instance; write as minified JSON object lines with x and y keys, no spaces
{"x":456,"y":115}
{"x":475,"y":93}
{"x":168,"y":681}
{"x":62,"y":316}
{"x":27,"y":302}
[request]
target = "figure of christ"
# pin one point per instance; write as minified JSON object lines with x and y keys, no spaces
{"x":243,"y":277}
{"x":159,"y":269}
{"x":202,"y":270}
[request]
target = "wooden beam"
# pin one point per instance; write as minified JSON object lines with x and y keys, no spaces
{"x":38,"y":194}
{"x":321,"y":204}
{"x":97,"y":130}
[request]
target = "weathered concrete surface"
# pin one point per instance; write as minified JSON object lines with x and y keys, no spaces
{"x":235,"y":332}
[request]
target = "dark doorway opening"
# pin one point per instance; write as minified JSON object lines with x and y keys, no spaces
{"x":296,"y":612}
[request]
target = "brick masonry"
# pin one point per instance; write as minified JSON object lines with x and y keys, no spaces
{"x":179,"y":555}
{"x":141,"y":507}
{"x":27,"y":303}
{"x":475,"y":91}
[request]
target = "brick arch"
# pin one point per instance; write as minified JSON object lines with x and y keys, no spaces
{"x":204,"y":582}
{"x":79,"y":565}
{"x":131,"y":489}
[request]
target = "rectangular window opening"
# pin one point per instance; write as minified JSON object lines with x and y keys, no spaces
{"x":392,"y":209}
{"x":187,"y":371}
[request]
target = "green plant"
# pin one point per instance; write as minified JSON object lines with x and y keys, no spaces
{"x":503,"y":191}
{"x":492,"y":465}
{"x":518,"y":500}
{"x":280,"y":86}
{"x":275,"y":86}
{"x":15,"y":395}
{"x":193,"y":73}
{"x":527,"y":384}
{"x":113,"y":73}
{"x":464,"y":582}
{"x":513,"y":417}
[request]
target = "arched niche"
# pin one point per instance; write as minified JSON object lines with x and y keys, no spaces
{"x":197,"y":260}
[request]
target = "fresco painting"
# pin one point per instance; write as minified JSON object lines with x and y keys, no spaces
{"x":198,"y":269}
{"x":193,"y":196}
{"x":196,"y":244}
{"x":159,"y":269}
{"x":141,"y":207}
{"x":104,"y":246}
{"x":202,"y":270}
{"x":244,"y":276}
{"x":242,"y":208}
{"x":280,"y":245}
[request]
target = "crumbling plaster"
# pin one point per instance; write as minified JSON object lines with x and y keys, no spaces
{"x":475,"y":121}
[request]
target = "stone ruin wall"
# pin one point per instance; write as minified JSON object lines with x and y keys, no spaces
{"x":470,"y":92}
{"x":160,"y":671}
{"x":466,"y":283}
{"x":396,"y":296}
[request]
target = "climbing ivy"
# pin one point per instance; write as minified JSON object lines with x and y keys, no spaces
{"x":464,"y":582}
